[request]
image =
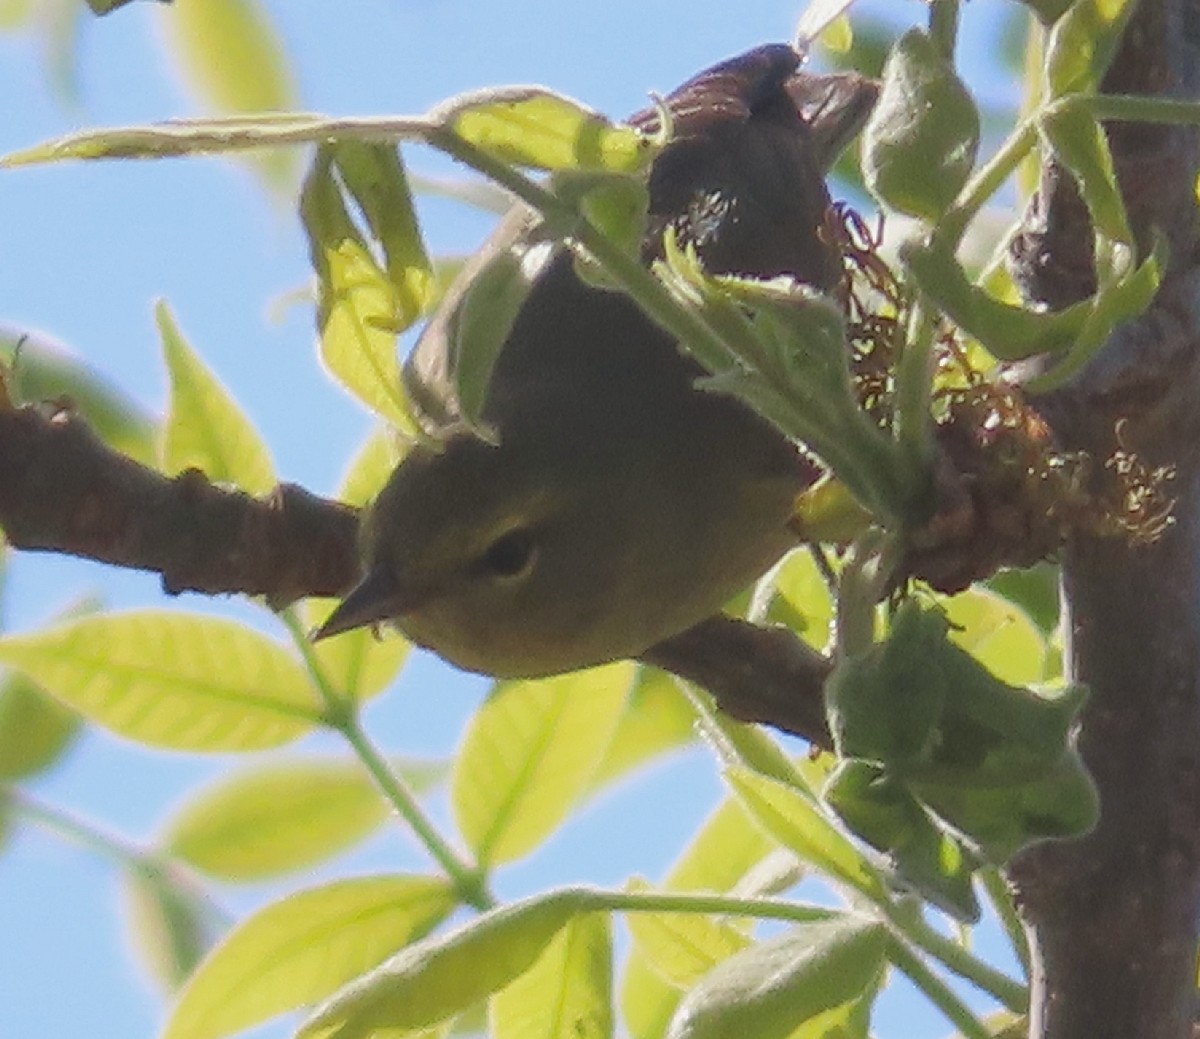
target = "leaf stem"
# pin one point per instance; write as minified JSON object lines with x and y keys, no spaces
{"x":341,"y":715}
{"x":726,"y":905}
{"x":936,"y":990}
{"x":1005,"y":990}
{"x":82,"y":831}
{"x":997,"y":892}
{"x":649,"y":293}
{"x":914,"y":392}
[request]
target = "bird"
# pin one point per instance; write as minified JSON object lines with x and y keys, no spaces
{"x":617,"y":503}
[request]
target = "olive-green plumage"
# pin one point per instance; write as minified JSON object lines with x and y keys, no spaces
{"x":621,"y":504}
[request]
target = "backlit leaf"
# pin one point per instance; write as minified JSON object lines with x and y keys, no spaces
{"x":772,"y":988}
{"x":567,"y":993}
{"x":231,"y":59}
{"x":529,"y":126}
{"x":173,"y":680}
{"x":800,"y":824}
{"x":205,"y":428}
{"x":529,"y":753}
{"x":274,"y":818}
{"x":442,"y":976}
{"x":300,"y":949}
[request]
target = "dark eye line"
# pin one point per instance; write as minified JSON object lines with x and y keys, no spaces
{"x":510,"y":554}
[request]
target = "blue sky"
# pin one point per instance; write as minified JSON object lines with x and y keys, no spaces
{"x":88,"y":247}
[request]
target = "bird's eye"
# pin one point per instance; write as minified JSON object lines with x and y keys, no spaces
{"x":510,"y":555}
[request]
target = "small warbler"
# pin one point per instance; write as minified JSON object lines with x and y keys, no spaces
{"x":619,"y":503}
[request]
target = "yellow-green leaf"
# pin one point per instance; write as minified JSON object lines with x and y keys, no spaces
{"x":171,"y":922}
{"x":683,"y":947}
{"x":1078,"y":141}
{"x":1082,"y":43}
{"x":231,"y":59}
{"x":919,"y":144}
{"x":171,"y":680}
{"x":798,"y":823}
{"x":14,"y":14}
{"x":480,"y":325}
{"x":567,"y":993}
{"x":357,"y":304}
{"x":442,"y":976}
{"x":370,"y":467}
{"x":727,"y":846}
{"x":528,"y":126}
{"x":999,"y":634}
{"x":35,"y":730}
{"x":809,"y":606}
{"x":647,"y":1001}
{"x":205,"y":428}
{"x":358,"y":664}
{"x":529,"y":753}
{"x":656,"y":719}
{"x":44,"y":370}
{"x":772,"y":988}
{"x":300,"y":949}
{"x":375,"y":178}
{"x":276,"y":817}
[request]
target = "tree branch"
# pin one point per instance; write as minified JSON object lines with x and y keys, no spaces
{"x":1114,"y":915}
{"x":63,"y":490}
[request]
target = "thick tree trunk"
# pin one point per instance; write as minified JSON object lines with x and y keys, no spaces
{"x":1114,"y":917}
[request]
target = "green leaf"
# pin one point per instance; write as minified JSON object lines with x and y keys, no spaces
{"x":682,"y":947}
{"x":802,"y":600}
{"x":529,"y":753}
{"x":530,"y":126}
{"x":358,"y":664}
{"x":370,"y":468}
{"x":825,"y":973}
{"x":374,"y":177}
{"x":1056,"y":802}
{"x":300,"y":949}
{"x":1082,"y":44}
{"x":885,"y":814}
{"x":617,"y":205}
{"x":798,"y":823}
{"x":726,"y":848}
{"x":1078,"y":141}
{"x":231,"y":60}
{"x":442,"y":976}
{"x":15,"y":14}
{"x":657,"y":719}
{"x":998,"y":634}
{"x":1120,"y":299}
{"x":357,"y":304}
{"x":45,"y":371}
{"x":885,"y":703}
{"x":647,"y":1001}
{"x":1010,"y":333}
{"x":172,"y":922}
{"x":740,"y":745}
{"x":480,"y":324}
{"x":171,"y":680}
{"x":1034,"y":590}
{"x":205,"y":428}
{"x":567,"y":993}
{"x":919,"y":144}
{"x":35,"y":730}
{"x":785,"y":354}
{"x":278,"y":817}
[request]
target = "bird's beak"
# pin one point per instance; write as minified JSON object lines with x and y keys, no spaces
{"x":377,"y":597}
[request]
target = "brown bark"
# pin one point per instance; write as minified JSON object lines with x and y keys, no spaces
{"x":1114,"y":916}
